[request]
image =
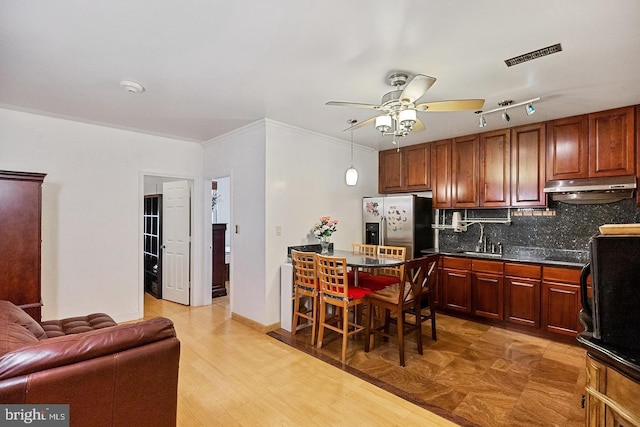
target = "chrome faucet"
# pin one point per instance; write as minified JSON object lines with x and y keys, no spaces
{"x":481,"y":246}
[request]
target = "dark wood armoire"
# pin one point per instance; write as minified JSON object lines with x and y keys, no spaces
{"x":20,"y":239}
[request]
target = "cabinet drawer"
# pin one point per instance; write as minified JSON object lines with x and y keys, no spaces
{"x":522,"y":270}
{"x":487,"y":266}
{"x":459,"y":263}
{"x":560,"y":274}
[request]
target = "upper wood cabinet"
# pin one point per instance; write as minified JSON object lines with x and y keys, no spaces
{"x":407,"y":169}
{"x":593,"y":145}
{"x":528,"y":166}
{"x":464,"y":171}
{"x":441,"y":173}
{"x":568,"y":148}
{"x":390,"y":176}
{"x":417,"y":162}
{"x":611,"y":142}
{"x":495,"y":148}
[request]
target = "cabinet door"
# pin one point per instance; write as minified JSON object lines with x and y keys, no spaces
{"x":568,"y":148}
{"x":638,"y":152}
{"x":390,"y":175}
{"x":441,"y":173}
{"x":611,"y":143}
{"x":495,"y":150}
{"x":417,"y":161}
{"x":528,"y":166}
{"x":456,"y":290}
{"x":522,"y":297}
{"x":464,"y":172}
{"x":560,"y":307}
{"x":488,"y":298}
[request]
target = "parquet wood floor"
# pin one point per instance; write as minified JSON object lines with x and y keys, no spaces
{"x":232,"y":375}
{"x":474,"y":373}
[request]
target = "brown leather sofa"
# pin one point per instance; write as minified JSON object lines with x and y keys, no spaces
{"x":109,"y":374}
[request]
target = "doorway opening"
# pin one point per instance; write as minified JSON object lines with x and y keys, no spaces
{"x":166,"y":255}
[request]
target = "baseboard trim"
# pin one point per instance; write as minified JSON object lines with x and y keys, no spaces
{"x":255,"y":325}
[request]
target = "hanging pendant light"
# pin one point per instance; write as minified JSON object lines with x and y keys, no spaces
{"x":351,"y":177}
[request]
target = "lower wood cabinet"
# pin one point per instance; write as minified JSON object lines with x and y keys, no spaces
{"x":456,"y":284}
{"x":611,"y":397}
{"x":487,"y":289}
{"x":543,"y":298}
{"x":522,"y":294}
{"x":561,"y":300}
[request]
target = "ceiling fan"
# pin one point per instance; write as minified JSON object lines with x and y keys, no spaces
{"x":399,"y":109}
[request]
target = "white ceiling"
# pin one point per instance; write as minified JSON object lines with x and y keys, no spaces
{"x":212,"y":66}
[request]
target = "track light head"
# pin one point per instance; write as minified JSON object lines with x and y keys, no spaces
{"x":530,"y":109}
{"x":482,"y":122}
{"x":505,"y":117}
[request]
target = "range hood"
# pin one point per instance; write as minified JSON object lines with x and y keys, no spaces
{"x":591,"y":190}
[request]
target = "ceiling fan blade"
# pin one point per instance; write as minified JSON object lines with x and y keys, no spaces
{"x":418,"y":126}
{"x":353,"y":105}
{"x":361,"y":124}
{"x":417,"y":87}
{"x":457,"y":105}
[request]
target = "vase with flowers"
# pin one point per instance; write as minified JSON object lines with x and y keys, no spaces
{"x":323,"y":231}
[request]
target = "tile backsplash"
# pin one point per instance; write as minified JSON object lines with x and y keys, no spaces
{"x":570,"y":228}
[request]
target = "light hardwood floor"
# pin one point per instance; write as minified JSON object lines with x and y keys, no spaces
{"x":232,"y":375}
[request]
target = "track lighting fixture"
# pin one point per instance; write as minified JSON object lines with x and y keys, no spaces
{"x":503,"y":106}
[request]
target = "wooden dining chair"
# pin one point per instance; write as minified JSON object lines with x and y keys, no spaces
{"x":306,"y":291}
{"x":336,"y":293}
{"x":386,"y":276}
{"x":364,"y":249}
{"x":406,"y":298}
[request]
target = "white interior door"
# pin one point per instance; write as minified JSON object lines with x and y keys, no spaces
{"x":176,"y":241}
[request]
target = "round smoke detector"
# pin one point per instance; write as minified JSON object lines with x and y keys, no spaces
{"x":131,"y":86}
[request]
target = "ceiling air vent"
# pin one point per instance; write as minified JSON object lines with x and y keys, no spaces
{"x":533,"y":55}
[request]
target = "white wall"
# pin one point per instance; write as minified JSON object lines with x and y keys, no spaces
{"x":299,"y":178}
{"x":240,"y":156}
{"x":91,"y":225}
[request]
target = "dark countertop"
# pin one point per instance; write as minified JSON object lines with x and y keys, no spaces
{"x":622,"y":360}
{"x":547,"y":256}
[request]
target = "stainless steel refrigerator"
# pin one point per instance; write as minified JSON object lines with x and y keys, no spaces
{"x":398,"y":221}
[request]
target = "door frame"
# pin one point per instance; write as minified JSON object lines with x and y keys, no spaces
{"x":199,"y":294}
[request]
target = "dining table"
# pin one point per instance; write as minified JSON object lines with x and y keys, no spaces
{"x":357,"y":261}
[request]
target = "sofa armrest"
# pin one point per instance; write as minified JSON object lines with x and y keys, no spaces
{"x":69,"y":349}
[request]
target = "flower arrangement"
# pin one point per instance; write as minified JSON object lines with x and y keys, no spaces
{"x":325,"y":228}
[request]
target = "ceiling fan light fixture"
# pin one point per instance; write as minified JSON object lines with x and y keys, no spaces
{"x":383,"y":123}
{"x":407,"y":118}
{"x":398,"y":108}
